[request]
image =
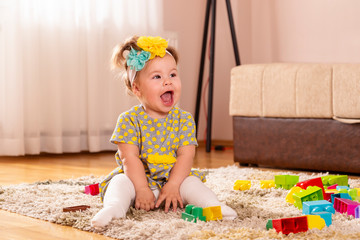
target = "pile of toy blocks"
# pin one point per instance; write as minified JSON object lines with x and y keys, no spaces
{"x":193,"y":213}
{"x":318,"y":198}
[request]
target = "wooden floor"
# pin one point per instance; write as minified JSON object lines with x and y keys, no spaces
{"x":14,"y":170}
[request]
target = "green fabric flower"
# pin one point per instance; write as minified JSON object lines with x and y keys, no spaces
{"x":136,"y":59}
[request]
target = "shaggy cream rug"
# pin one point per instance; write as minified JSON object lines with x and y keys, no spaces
{"x":45,"y":200}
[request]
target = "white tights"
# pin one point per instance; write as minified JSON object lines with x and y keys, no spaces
{"x":120,"y":195}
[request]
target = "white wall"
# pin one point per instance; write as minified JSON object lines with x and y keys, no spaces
{"x":305,"y":31}
{"x":268,"y":31}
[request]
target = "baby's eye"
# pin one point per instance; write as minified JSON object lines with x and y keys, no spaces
{"x":173,"y":75}
{"x":157,"y":77}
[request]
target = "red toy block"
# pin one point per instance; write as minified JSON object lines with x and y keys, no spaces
{"x":332,"y":186}
{"x":313,"y":182}
{"x":92,"y":189}
{"x":291,"y":225}
{"x":343,"y":205}
{"x":76,"y":208}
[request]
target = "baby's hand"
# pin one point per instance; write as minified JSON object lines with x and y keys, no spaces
{"x":145,"y":199}
{"x":170,"y":193}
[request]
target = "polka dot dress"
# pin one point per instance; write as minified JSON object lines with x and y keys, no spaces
{"x":158,"y":141}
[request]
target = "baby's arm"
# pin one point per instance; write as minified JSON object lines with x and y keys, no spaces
{"x":170,"y":192}
{"x":134,"y":169}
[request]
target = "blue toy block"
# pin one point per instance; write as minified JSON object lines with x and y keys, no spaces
{"x":340,"y":195}
{"x":326,"y":216}
{"x":357,"y":212}
{"x":342,"y":187}
{"x":312,"y":207}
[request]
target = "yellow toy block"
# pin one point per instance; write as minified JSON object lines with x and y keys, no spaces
{"x":242,"y":185}
{"x":315,"y":221}
{"x":267,"y":184}
{"x":358,"y":191}
{"x":289,"y":197}
{"x":212,"y":213}
{"x":331,"y":191}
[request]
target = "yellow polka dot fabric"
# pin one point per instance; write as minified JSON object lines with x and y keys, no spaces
{"x":155,"y":138}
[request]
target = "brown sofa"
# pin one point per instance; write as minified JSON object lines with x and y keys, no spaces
{"x":297,"y":116}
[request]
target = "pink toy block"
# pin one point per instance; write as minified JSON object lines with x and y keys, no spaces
{"x":343,"y":205}
{"x":332,"y":186}
{"x":92,"y":189}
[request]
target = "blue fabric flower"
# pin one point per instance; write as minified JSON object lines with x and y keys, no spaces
{"x":136,"y":59}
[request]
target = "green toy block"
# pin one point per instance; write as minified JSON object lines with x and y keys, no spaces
{"x":312,"y":193}
{"x":343,"y":190}
{"x":286,"y":181}
{"x":193,"y":213}
{"x":197,"y":212}
{"x":269,"y":224}
{"x":188,"y":208}
{"x":188,"y":217}
{"x":353,"y":194}
{"x":340,"y":180}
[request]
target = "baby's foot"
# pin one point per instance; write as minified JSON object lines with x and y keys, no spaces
{"x":228,"y":213}
{"x":103,"y":217}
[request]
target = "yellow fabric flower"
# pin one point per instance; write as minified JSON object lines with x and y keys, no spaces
{"x":155,"y":45}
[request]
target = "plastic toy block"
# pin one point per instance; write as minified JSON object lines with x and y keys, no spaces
{"x":193,"y":213}
{"x":291,"y":225}
{"x":76,"y":208}
{"x":212,"y":213}
{"x":267,"y":184}
{"x":188,"y":217}
{"x":332,"y":186}
{"x":357,"y":212}
{"x":345,"y":206}
{"x":342,"y":187}
{"x":242,"y":185}
{"x":358,"y":191}
{"x":353,"y":194}
{"x":286,"y":181}
{"x":340,"y":195}
{"x":331,"y":191}
{"x":269,"y":224}
{"x":341,"y":180}
{"x":289,"y":197}
{"x":317,"y":206}
{"x":188,"y":208}
{"x":315,"y":221}
{"x":92,"y":189}
{"x":328,"y":193}
{"x":310,"y":194}
{"x":312,"y":182}
{"x":326,"y":216}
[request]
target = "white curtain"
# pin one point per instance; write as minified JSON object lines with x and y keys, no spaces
{"x":57,"y":92}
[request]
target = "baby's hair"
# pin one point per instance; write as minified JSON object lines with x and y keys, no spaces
{"x":118,"y":59}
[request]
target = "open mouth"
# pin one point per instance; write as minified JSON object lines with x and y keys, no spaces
{"x":167,"y":98}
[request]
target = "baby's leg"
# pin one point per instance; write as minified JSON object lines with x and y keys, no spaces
{"x":194,"y":191}
{"x":119,"y":195}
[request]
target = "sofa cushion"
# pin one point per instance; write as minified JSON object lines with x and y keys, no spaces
{"x":346,"y":88}
{"x":296,"y":90}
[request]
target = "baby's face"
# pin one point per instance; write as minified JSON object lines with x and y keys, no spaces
{"x":158,"y":86}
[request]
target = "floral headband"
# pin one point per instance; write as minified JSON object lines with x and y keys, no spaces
{"x":151,"y":47}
